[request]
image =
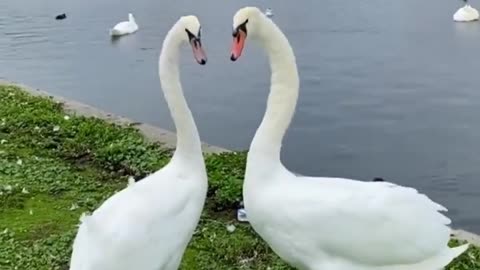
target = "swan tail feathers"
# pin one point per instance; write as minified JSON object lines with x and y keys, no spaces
{"x":449,"y":255}
{"x":457,"y":251}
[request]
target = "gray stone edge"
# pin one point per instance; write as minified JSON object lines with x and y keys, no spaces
{"x":466,"y":236}
{"x":152,"y":133}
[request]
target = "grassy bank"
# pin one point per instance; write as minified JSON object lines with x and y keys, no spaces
{"x":55,"y":166}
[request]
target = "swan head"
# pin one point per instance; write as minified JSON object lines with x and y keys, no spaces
{"x":189,"y":31}
{"x":246,"y":20}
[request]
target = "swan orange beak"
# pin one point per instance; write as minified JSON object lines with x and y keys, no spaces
{"x":198,"y":52}
{"x":239,"y":37}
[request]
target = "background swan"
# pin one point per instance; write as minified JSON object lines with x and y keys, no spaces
{"x":269,"y":12}
{"x":126,"y":27}
{"x":148,"y":225}
{"x":466,"y":14}
{"x":328,"y":223}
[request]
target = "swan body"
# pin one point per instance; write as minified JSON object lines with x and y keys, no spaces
{"x":328,"y":223}
{"x":148,"y":225}
{"x":125,"y":28}
{"x":466,"y":14}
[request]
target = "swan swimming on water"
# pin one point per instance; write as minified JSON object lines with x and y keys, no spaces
{"x":269,"y":12}
{"x":328,"y":223}
{"x":466,"y":13}
{"x":125,"y":28}
{"x":148,"y":224}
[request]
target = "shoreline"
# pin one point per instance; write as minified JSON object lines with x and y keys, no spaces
{"x":165,"y":137}
{"x":151,"y":132}
{"x":466,"y":236}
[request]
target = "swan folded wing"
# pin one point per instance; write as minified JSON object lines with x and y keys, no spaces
{"x":125,"y":232}
{"x":357,"y":221}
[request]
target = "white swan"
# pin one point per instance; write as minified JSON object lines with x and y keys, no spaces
{"x":269,"y":12}
{"x":466,"y":14}
{"x":317,"y":223}
{"x":126,"y":27}
{"x":149,"y":224}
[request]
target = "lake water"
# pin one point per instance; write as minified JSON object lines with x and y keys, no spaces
{"x":389,"y":88}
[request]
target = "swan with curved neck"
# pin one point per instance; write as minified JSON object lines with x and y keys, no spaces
{"x":149,"y":224}
{"x":318,"y":223}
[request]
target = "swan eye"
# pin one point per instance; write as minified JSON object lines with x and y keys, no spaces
{"x":242,"y":27}
{"x":190,"y":35}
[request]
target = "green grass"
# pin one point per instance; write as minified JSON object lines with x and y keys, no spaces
{"x":53,"y":167}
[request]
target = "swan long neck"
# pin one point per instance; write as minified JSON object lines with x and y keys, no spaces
{"x":131,"y":18}
{"x":283,"y":95}
{"x":188,"y":139}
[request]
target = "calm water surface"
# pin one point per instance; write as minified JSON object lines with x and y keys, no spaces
{"x":388,"y":89}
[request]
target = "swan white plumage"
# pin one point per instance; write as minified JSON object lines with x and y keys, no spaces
{"x":466,"y":14}
{"x":148,"y":224}
{"x":126,"y":27}
{"x":328,"y":223}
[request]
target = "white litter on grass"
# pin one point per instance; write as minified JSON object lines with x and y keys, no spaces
{"x":66,"y":117}
{"x":25,"y":191}
{"x":231,"y":228}
{"x":242,"y":215}
{"x":56,"y":128}
{"x":251,"y":259}
{"x":3,"y":141}
{"x":74,"y":207}
{"x":19,"y":162}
